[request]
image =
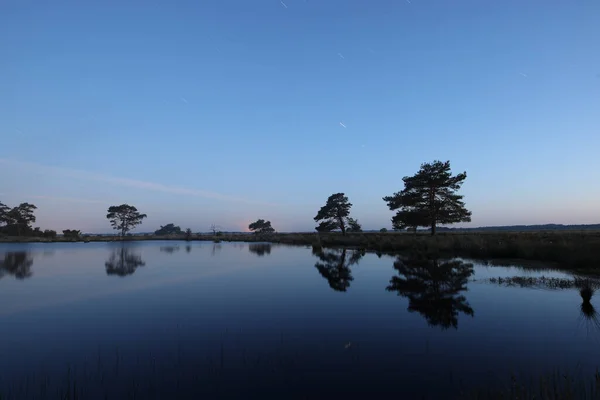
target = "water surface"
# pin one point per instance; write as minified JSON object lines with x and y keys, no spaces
{"x":178,"y":319}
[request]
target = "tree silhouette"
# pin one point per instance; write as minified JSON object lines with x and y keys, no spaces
{"x":17,"y":264}
{"x":260,"y":249}
{"x":334,"y":214}
{"x":433,"y":288}
{"x":214,"y":229}
{"x":4,"y":217}
{"x":18,"y":220}
{"x":49,"y":233}
{"x":123,"y":262}
{"x":429,"y":198}
{"x":169,"y":229}
{"x":353,"y":225}
{"x":261,"y":227}
{"x":71,"y":233}
{"x":124,"y":218}
{"x":335,"y":266}
{"x":327,"y":226}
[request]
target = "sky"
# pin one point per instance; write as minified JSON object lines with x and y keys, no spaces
{"x":223,"y":112}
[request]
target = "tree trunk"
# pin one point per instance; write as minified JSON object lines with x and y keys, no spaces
{"x":432,"y":210}
{"x":343,"y":227}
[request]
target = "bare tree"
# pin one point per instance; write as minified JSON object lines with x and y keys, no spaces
{"x":214,"y":229}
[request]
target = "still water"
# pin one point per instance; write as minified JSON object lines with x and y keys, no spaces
{"x":182,"y":320}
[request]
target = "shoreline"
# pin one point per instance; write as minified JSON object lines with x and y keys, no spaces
{"x":569,"y":249}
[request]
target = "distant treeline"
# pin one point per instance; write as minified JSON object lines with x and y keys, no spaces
{"x":525,"y":228}
{"x":507,"y":228}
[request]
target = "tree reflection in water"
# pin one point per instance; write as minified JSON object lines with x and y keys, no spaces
{"x":433,"y":288}
{"x":335,"y":266}
{"x":169,"y":249}
{"x":588,"y":315}
{"x":216,"y":247}
{"x":260,"y":249}
{"x":17,"y":264}
{"x":123,"y":262}
{"x":588,"y":311}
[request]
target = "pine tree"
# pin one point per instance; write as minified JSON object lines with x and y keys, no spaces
{"x":334,"y":214}
{"x":429,"y":198}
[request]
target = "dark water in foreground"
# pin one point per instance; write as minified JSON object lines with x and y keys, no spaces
{"x":172,"y":320}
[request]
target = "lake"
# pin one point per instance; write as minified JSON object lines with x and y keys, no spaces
{"x":188,"y":319}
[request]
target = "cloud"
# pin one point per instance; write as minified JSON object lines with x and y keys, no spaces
{"x":68,"y":199}
{"x":132,"y":183}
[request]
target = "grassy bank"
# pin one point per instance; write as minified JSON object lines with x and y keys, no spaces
{"x":570,"y":250}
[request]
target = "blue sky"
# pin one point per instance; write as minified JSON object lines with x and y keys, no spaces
{"x":212,"y":111}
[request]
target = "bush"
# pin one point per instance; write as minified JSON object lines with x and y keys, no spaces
{"x":71,"y":234}
{"x":49,"y":233}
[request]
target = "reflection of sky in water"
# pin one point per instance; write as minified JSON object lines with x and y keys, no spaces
{"x":74,"y":274}
{"x":70,"y":308}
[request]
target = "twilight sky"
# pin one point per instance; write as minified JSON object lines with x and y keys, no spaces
{"x":214,"y":111}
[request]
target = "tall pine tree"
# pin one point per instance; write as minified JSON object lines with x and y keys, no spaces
{"x":334,"y":214}
{"x":429,"y":198}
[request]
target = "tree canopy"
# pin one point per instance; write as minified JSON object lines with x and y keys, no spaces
{"x":353,"y":225}
{"x":124,"y":218}
{"x":261,"y":226}
{"x":17,"y":220}
{"x":334,"y":214}
{"x":49,"y":233}
{"x":72,"y":233}
{"x":4,"y":209}
{"x":169,"y":229}
{"x":327,"y":226}
{"x":429,"y":198}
